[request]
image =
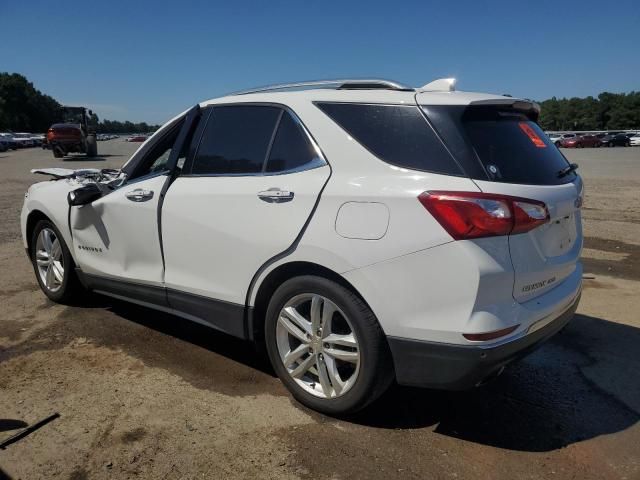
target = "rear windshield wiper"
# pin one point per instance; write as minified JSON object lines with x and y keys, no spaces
{"x":566,"y":171}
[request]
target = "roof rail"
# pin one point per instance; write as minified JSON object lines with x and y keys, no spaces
{"x":344,"y":84}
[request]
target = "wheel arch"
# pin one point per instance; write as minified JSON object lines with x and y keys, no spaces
{"x":34,"y":217}
{"x":32,"y":220}
{"x":277,"y":277}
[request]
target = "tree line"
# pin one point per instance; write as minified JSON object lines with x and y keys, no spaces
{"x":609,"y":111}
{"x":23,"y":108}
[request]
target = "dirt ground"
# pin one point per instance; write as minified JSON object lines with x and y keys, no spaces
{"x":146,"y":395}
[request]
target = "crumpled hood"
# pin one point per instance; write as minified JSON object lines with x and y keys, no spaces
{"x":104,"y":175}
{"x":77,"y":178}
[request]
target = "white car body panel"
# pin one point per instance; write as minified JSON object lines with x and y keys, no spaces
{"x":50,"y":199}
{"x":545,"y":256}
{"x":217,"y":233}
{"x":117,"y":238}
{"x":368,"y":227}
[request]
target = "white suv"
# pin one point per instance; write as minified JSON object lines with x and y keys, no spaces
{"x":363,"y":231}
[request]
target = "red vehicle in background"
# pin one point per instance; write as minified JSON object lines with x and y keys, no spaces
{"x":580,"y":141}
{"x":137,"y":138}
{"x":77,"y":133}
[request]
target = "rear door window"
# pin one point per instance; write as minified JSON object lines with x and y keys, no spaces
{"x":396,"y":134}
{"x":510,"y":147}
{"x":235,"y":140}
{"x":291,"y":149}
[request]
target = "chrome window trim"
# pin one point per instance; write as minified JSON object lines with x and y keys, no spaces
{"x":320,"y":161}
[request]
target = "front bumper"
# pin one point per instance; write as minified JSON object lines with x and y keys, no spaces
{"x":460,"y":367}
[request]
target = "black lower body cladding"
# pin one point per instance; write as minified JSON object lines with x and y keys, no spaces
{"x":461,"y":367}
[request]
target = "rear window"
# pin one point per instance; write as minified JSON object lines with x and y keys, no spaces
{"x":396,"y":134}
{"x":510,"y":147}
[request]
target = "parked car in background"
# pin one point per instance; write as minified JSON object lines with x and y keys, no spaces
{"x":24,"y":140}
{"x":8,"y":140}
{"x":3,"y":146}
{"x":38,"y":139}
{"x":580,"y":141}
{"x":137,"y":138}
{"x":562,"y":137}
{"x":555,"y":138}
{"x":334,"y":226}
{"x":635,"y":140}
{"x":617,"y":140}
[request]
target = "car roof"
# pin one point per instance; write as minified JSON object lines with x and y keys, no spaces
{"x":362,"y":96}
{"x":438,"y":92}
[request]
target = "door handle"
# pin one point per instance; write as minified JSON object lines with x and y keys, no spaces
{"x":275,"y":195}
{"x":139,"y":195}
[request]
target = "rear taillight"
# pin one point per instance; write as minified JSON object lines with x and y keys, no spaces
{"x":466,"y":215}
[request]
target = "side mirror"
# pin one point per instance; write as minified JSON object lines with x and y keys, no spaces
{"x":84,"y":195}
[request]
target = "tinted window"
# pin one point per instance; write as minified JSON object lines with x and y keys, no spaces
{"x":510,"y":146}
{"x":396,"y":134}
{"x":235,"y":140}
{"x":291,"y":148}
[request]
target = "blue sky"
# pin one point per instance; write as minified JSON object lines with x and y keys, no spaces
{"x":148,"y":60}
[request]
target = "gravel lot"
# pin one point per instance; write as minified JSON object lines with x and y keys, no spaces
{"x":147,"y":395}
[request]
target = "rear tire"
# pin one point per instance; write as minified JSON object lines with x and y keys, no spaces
{"x":53,"y":264}
{"x":331,"y":379}
{"x":92,"y":146}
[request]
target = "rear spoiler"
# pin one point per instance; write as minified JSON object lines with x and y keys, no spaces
{"x":528,"y":107}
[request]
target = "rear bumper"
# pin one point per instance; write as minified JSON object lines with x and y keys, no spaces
{"x":460,"y":367}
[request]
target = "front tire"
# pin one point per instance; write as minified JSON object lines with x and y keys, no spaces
{"x":326,"y":346}
{"x":53,"y":263}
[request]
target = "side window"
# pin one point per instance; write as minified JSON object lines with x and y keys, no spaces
{"x":396,"y":134}
{"x":235,"y":140}
{"x":156,"y":159}
{"x":291,"y":148}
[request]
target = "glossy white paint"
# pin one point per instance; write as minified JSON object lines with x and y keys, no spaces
{"x":368,"y":227}
{"x":49,"y":199}
{"x":117,"y":237}
{"x":217,"y":232}
{"x":544,"y":257}
{"x":440,"y":85}
{"x":362,"y":220}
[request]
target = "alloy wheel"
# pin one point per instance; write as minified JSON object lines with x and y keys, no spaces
{"x":49,"y":260}
{"x":318,"y":345}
